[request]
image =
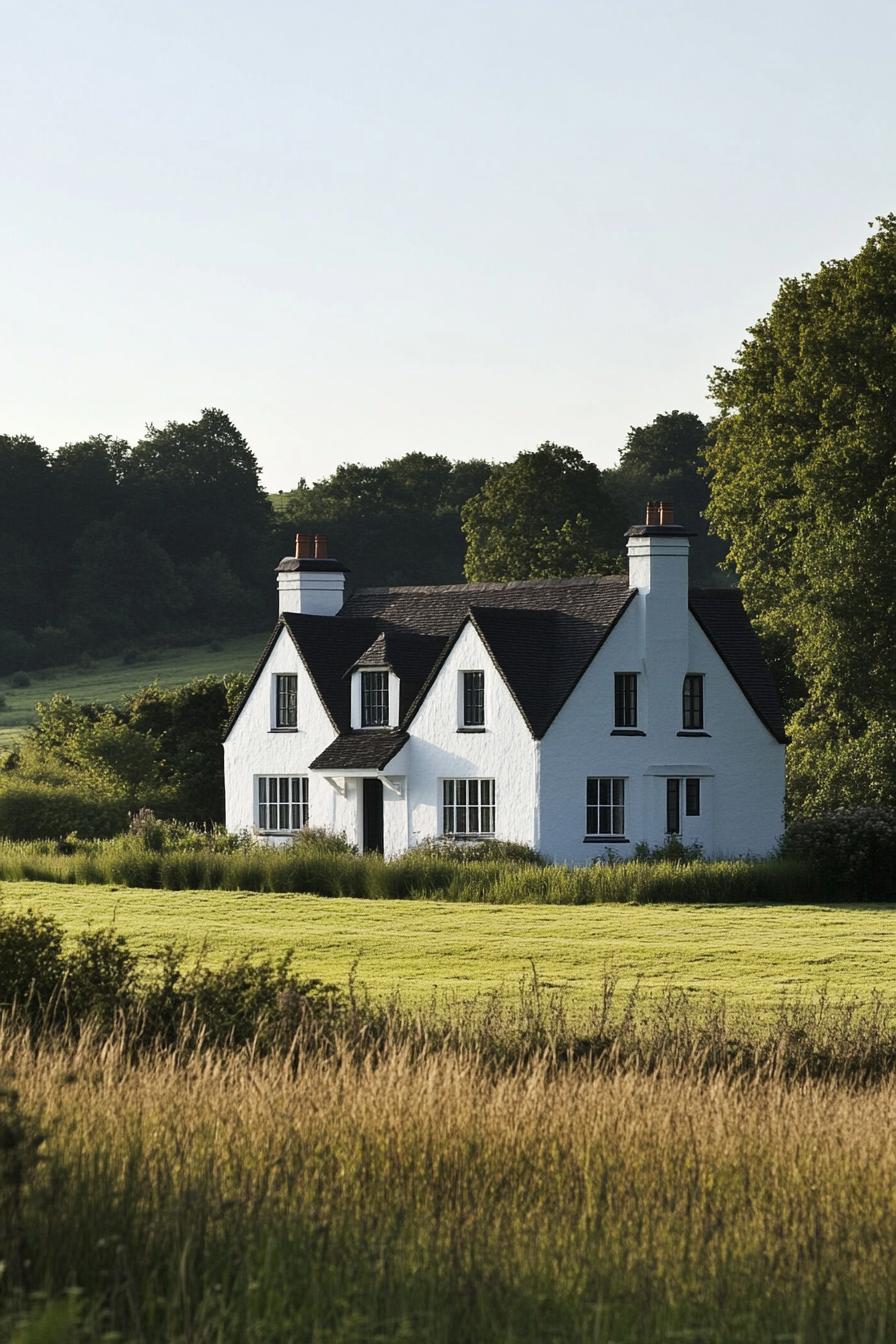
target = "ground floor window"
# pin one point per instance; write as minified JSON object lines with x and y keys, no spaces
{"x":468,"y":807}
{"x":673,"y":802}
{"x":605,"y":807}
{"x":282,"y":802}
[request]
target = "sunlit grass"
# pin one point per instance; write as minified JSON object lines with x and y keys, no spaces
{"x":751,"y":953}
{"x":107,"y":681}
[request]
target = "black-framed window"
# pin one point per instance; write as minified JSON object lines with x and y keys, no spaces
{"x":692,"y":701}
{"x":474,"y":700}
{"x":282,"y":802}
{"x":626,"y":715}
{"x":605,"y":806}
{"x":468,"y":807}
{"x":374,"y":699}
{"x":673,"y":806}
{"x":692,"y":797}
{"x":286,"y":710}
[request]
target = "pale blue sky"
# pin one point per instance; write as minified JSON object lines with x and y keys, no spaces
{"x":363,"y":229}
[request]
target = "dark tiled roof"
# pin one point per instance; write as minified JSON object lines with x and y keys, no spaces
{"x":720,"y":613}
{"x":367,"y":749}
{"x":542,"y":633}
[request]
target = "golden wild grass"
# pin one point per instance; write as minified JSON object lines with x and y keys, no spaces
{"x":427,"y":1188}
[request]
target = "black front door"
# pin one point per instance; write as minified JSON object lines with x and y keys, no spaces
{"x":373,"y":815}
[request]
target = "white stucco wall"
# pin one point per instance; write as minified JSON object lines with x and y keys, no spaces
{"x":740,"y":764}
{"x":505,"y":751}
{"x":253,"y":749}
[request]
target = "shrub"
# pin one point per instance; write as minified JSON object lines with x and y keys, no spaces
{"x":33,"y":811}
{"x":854,"y":850}
{"x":479,"y":851}
{"x":19,"y":680}
{"x":673,"y":850}
{"x":31,"y":962}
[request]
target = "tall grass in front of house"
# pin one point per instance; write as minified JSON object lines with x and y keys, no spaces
{"x":385,"y":1174}
{"x":208,"y":861}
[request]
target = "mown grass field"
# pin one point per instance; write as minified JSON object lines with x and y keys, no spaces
{"x":749,"y":953}
{"x":109,"y":680}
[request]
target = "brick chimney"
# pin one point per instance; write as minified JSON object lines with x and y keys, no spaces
{"x":309,"y":583}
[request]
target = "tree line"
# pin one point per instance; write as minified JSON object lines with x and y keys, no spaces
{"x":106,"y":546}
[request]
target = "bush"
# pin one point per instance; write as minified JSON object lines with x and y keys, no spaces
{"x":34,"y":811}
{"x":19,"y":680}
{"x":31,"y":962}
{"x":673,"y":850}
{"x":853,"y":850}
{"x":479,"y":851}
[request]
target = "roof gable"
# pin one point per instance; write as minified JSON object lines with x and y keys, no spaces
{"x":542,"y":634}
{"x":720,"y":614}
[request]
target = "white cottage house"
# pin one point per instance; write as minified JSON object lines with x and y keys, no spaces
{"x":573,"y":715}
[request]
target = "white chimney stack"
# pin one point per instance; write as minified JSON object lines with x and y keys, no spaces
{"x":658,"y":569}
{"x":309,"y":583}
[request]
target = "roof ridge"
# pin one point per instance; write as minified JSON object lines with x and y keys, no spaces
{"x":490,"y":587}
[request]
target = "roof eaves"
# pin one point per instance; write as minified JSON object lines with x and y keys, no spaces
{"x":603,"y":639}
{"x":311,"y":676}
{"x":421,"y":695}
{"x":779,"y":737}
{"x":481,"y":633}
{"x":259,"y":666}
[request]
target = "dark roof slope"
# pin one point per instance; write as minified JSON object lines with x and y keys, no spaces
{"x":720,"y":614}
{"x":542,"y":634}
{"x":369,"y":749}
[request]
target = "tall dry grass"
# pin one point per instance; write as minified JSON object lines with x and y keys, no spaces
{"x":427,"y":1187}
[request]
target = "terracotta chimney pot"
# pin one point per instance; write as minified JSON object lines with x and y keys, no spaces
{"x":653,"y":514}
{"x":667,"y":514}
{"x":320,"y":547}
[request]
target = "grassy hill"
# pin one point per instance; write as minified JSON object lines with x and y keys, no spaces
{"x":109,"y":680}
{"x":751,"y":953}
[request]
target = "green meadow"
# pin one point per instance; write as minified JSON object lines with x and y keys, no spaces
{"x":751,"y":953}
{"x":108,"y":680}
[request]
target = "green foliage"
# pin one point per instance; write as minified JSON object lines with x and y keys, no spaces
{"x":854,"y":849}
{"x":547,"y":514}
{"x":394,"y":523}
{"x":804,"y":490}
{"x":666,"y":460}
{"x":167,"y":538}
{"x":32,"y":809}
{"x":85,"y":766}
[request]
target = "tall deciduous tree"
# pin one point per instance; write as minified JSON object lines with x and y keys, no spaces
{"x":666,"y":459}
{"x":548,"y":514}
{"x":803,"y":461}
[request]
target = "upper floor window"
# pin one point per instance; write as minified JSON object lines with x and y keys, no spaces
{"x":468,"y":807}
{"x":692,"y":701}
{"x":374,"y":699}
{"x":473,"y":699}
{"x":286,"y":708}
{"x":626,"y":700}
{"x":605,"y":807}
{"x":282,"y":802}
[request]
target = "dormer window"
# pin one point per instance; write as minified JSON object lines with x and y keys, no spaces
{"x":473,"y":700}
{"x":286,"y":700}
{"x":375,"y":699}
